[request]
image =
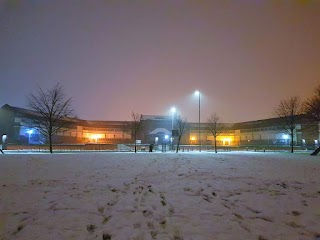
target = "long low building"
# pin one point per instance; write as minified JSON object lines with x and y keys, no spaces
{"x":16,"y":128}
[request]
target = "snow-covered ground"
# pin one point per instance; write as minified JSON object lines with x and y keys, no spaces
{"x":196,"y":196}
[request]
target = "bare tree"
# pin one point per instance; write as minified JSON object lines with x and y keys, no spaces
{"x":134,"y":127}
{"x":53,"y":110}
{"x":312,"y":105}
{"x":287,"y":111}
{"x":182,"y":128}
{"x":215,"y":127}
{"x":311,"y":108}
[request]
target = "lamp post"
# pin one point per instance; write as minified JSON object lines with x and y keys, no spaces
{"x":166,"y":138}
{"x":199,"y":136}
{"x":29,"y":133}
{"x":173,"y":110}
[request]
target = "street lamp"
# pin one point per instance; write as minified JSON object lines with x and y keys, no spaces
{"x":166,"y":139}
{"x":173,"y":110}
{"x":29,"y":133}
{"x":199,"y":94}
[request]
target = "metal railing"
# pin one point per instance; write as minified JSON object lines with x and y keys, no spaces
{"x":145,"y":148}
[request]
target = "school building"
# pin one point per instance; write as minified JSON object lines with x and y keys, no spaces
{"x":16,"y":129}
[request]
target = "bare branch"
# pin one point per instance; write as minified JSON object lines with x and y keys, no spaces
{"x":287,"y":112}
{"x":182,"y":129}
{"x":215,"y":127}
{"x":312,"y":105}
{"x":134,"y":127}
{"x":52,"y":110}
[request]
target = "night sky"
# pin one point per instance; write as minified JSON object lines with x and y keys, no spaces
{"x":113,"y":56}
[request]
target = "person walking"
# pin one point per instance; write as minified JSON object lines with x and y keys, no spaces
{"x":150,"y":147}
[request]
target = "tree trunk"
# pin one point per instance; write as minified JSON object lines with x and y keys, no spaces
{"x":178,"y":144}
{"x":315,"y":152}
{"x":50,"y":142}
{"x":215,"y":144}
{"x":292,"y":141}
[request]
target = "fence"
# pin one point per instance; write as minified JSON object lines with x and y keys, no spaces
{"x":144,"y":147}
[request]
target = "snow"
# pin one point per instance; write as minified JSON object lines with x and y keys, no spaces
{"x":232,"y":195}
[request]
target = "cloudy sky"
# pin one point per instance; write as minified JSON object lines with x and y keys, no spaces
{"x":114,"y":57}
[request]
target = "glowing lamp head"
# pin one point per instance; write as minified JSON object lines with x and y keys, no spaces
{"x":173,"y":109}
{"x":30,"y":131}
{"x":197,"y":93}
{"x":192,"y":138}
{"x":166,"y":137}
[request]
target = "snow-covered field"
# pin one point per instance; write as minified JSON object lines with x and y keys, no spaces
{"x":160,"y":196}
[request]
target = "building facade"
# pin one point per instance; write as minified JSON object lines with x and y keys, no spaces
{"x":16,"y":128}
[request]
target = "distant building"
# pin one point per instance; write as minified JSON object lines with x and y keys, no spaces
{"x":16,"y":124}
